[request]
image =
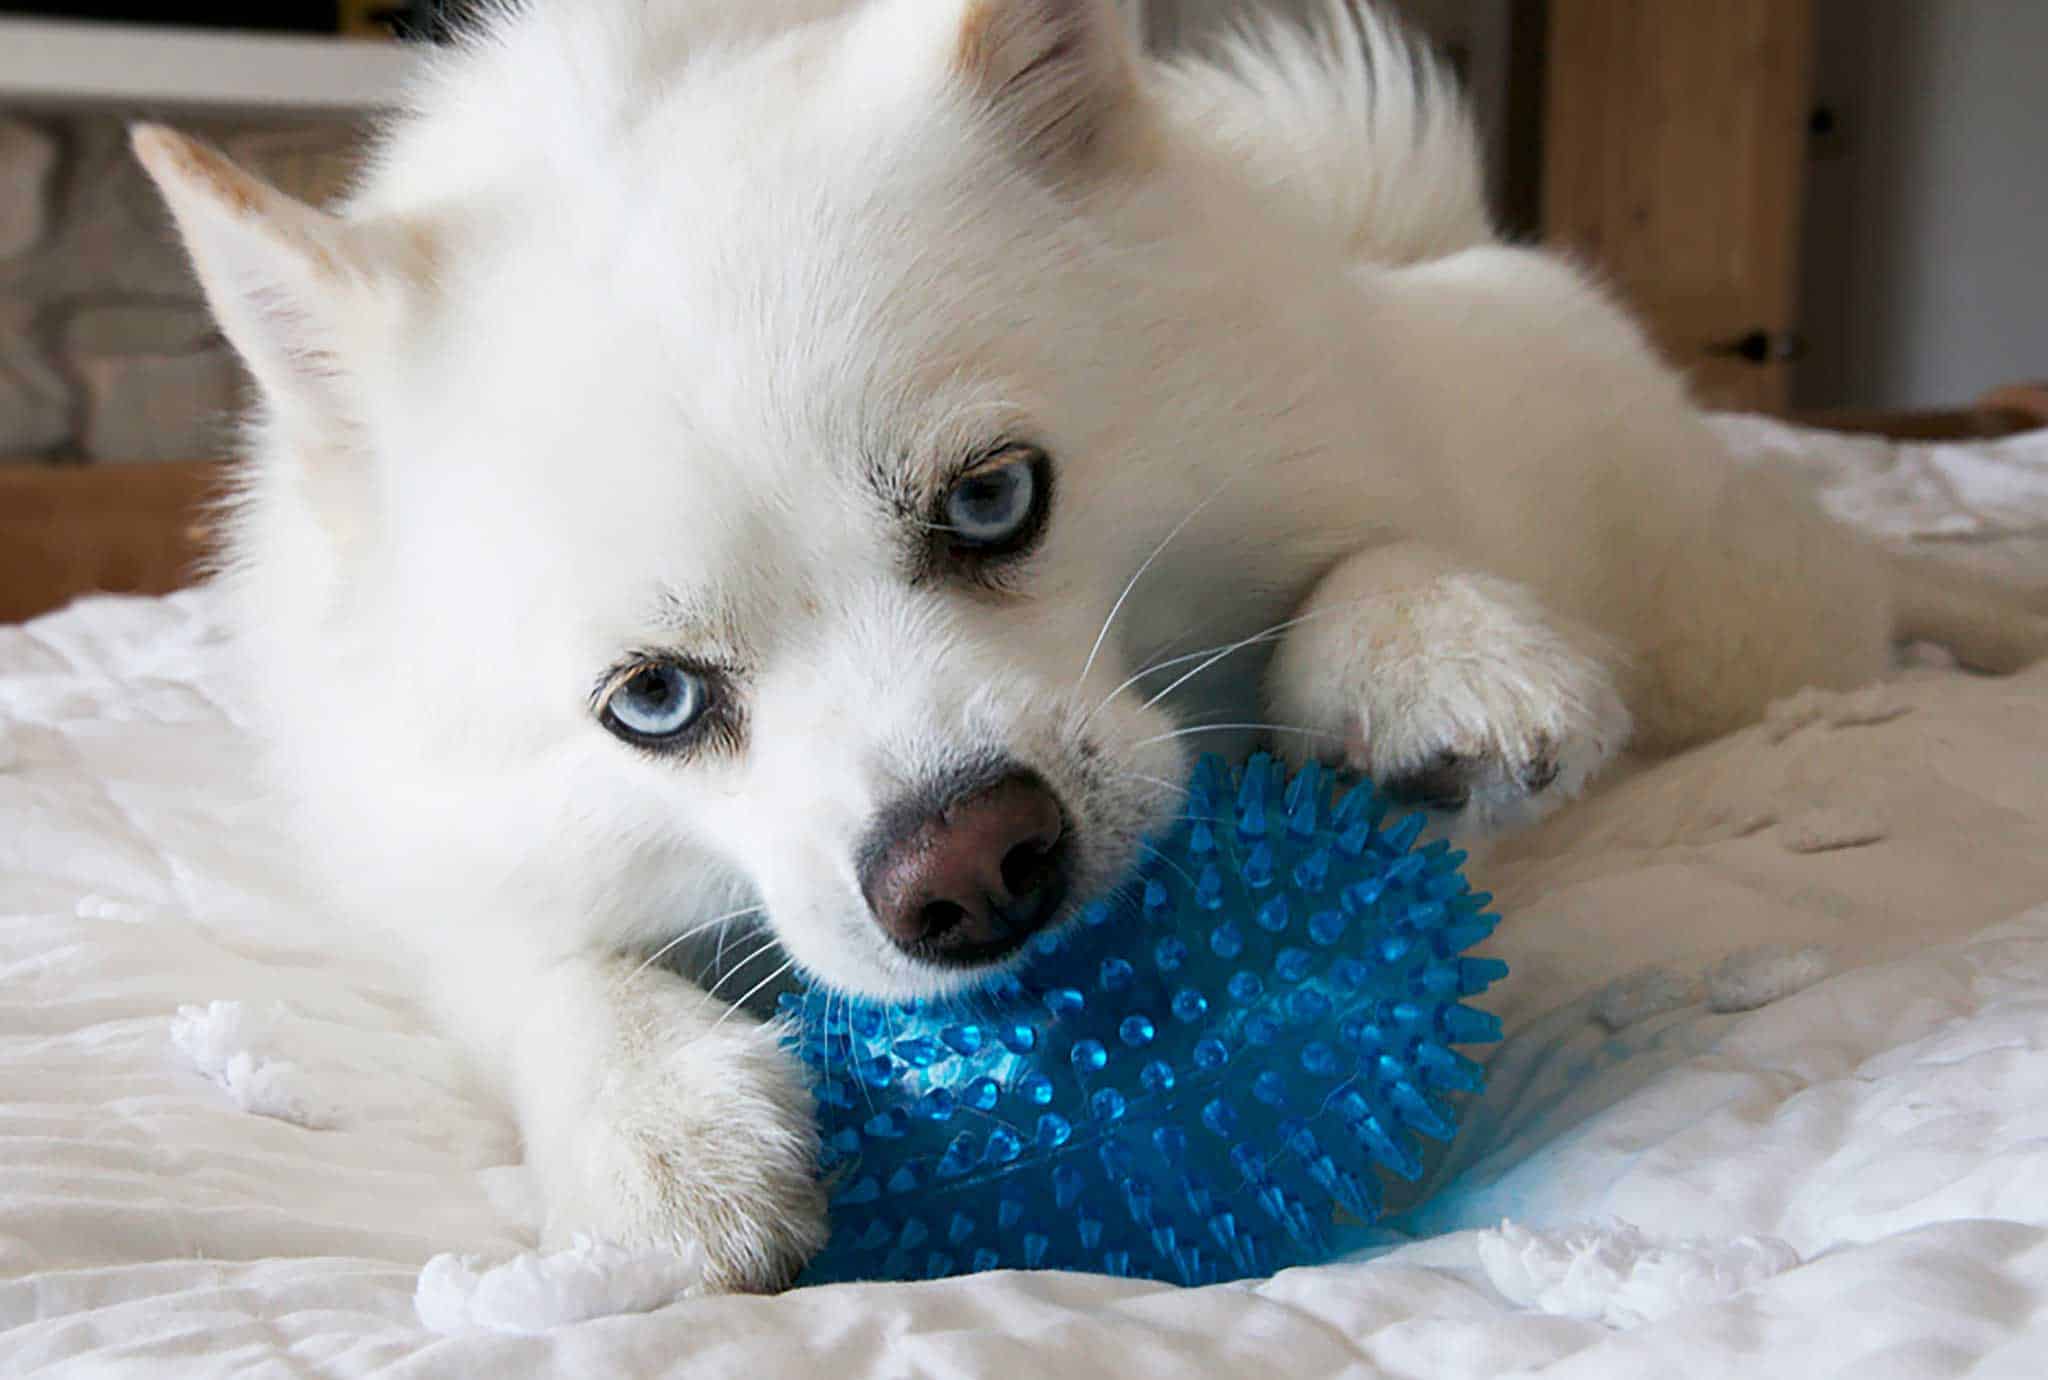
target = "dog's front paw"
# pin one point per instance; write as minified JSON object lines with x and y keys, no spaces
{"x":1452,"y":693}
{"x":712,"y":1144}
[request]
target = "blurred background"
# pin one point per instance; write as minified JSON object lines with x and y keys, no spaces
{"x":1817,"y":204}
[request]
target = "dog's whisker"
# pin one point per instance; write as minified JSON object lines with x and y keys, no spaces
{"x":867,"y":1094}
{"x":685,"y":937}
{"x":825,"y":1055}
{"x":1236,"y":728}
{"x":1154,"y":669}
{"x":718,"y":954}
{"x":1158,"y":781}
{"x":1157,"y":551}
{"x":1162,"y":856}
{"x":1219,"y":653}
{"x":1182,"y":660}
{"x":741,"y":966}
{"x":752,"y":992}
{"x":1277,"y":630}
{"x":1233,"y":649}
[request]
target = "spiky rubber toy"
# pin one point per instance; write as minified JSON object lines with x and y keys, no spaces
{"x":1204,"y":1077}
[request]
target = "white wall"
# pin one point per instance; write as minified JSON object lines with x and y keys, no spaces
{"x":1927,"y":238}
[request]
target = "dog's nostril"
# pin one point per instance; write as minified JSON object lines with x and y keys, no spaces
{"x":940,"y":918}
{"x":1026,"y":868}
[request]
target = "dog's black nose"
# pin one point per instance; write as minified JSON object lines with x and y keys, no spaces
{"x":965,"y":874}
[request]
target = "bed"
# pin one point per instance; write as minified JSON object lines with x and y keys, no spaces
{"x":1774,"y":1100}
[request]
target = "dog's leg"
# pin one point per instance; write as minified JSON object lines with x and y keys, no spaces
{"x":653,"y":1115}
{"x":1452,"y":689}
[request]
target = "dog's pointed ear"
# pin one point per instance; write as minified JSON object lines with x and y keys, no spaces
{"x":1060,"y":74}
{"x":297,"y":291}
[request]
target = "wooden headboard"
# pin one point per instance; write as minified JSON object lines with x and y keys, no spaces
{"x":2002,"y":412}
{"x":143,"y":529}
{"x":126,"y":529}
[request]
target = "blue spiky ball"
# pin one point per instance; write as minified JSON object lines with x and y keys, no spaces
{"x":1208,"y":1076}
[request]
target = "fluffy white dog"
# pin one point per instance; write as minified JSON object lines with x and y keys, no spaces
{"x":835,"y":461}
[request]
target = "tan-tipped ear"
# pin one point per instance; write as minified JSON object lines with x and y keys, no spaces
{"x":291,"y":286}
{"x":1060,"y":73}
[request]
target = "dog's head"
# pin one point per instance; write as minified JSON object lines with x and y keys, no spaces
{"x":715,"y":457}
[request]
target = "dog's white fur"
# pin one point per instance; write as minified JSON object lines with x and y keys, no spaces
{"x":658,"y":320}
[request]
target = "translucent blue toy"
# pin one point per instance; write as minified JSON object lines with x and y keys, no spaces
{"x":1205,"y":1077}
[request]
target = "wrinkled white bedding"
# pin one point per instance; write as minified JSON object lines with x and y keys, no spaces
{"x":1776,"y":1100}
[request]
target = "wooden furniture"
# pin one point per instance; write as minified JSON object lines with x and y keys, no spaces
{"x":71,"y":530}
{"x":2020,"y":407}
{"x":1674,"y":155}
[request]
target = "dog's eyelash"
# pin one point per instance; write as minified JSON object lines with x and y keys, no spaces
{"x":624,"y":669}
{"x":719,"y":671}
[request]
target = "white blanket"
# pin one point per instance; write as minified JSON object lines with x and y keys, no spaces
{"x":1776,"y":1100}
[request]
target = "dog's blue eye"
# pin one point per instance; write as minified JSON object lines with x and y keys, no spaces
{"x":656,"y":702}
{"x":999,"y":504}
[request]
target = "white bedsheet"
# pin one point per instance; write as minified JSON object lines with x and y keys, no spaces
{"x":1776,"y":1100}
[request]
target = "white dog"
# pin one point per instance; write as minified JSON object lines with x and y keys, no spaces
{"x":836,"y":461}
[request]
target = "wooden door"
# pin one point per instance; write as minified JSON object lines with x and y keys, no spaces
{"x":1674,"y":158}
